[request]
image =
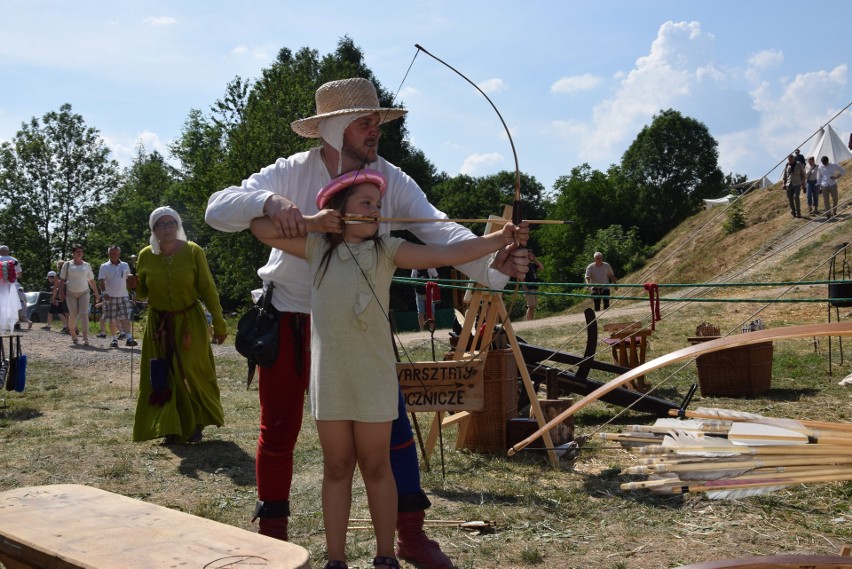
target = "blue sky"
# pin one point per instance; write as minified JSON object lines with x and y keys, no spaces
{"x":575,"y":82}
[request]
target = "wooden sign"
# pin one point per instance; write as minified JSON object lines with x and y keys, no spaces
{"x":454,"y":385}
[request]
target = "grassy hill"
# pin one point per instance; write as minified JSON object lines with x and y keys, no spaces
{"x":774,"y":247}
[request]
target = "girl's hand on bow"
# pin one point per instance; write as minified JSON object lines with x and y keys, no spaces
{"x":326,"y":221}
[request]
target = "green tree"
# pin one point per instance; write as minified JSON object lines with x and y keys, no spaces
{"x":667,"y":171}
{"x":53,"y":174}
{"x":735,"y":219}
{"x":123,"y":219}
{"x":464,"y":196}
{"x":248,"y":129}
{"x":588,"y":200}
{"x":622,"y":249}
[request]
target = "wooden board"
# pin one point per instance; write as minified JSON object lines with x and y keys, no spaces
{"x":442,"y":386}
{"x":68,"y":526}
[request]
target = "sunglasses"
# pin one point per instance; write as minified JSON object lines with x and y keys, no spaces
{"x":165,"y":225}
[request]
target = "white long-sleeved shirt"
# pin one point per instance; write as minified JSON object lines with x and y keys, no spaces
{"x":828,"y":174}
{"x":299,"y":178}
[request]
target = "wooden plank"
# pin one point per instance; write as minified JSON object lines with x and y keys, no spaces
{"x":69,"y":526}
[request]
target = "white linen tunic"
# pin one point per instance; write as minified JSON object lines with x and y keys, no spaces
{"x":353,"y":369}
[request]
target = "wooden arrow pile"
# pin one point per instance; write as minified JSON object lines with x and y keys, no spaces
{"x":730,"y":454}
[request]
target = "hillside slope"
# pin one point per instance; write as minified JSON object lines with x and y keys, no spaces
{"x":774,"y":247}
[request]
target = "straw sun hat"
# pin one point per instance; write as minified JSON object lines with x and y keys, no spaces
{"x":344,"y":97}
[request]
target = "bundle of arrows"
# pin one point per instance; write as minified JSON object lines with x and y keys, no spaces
{"x":730,"y":454}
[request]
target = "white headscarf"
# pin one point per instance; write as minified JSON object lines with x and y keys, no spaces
{"x":155,"y":216}
{"x":331,"y":131}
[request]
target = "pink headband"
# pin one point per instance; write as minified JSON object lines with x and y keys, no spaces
{"x":348,"y":180}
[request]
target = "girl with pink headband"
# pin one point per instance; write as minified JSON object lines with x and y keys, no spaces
{"x":353,"y":384}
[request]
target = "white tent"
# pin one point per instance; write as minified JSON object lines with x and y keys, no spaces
{"x":828,"y":143}
{"x":755,"y":184}
{"x":717,"y":202}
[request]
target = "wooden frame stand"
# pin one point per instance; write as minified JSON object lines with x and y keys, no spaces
{"x":487,"y":310}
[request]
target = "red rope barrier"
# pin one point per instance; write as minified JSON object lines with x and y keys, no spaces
{"x":654,"y":296}
{"x":433,"y":294}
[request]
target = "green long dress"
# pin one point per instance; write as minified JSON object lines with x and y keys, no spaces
{"x":175,"y":284}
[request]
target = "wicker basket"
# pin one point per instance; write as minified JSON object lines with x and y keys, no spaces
{"x":487,"y":429}
{"x":736,"y":372}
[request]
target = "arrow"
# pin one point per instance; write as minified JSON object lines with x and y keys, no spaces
{"x":351,"y":218}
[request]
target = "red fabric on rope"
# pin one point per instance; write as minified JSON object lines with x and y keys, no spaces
{"x":654,"y":296}
{"x":433,"y":294}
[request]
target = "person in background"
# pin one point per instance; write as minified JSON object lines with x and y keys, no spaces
{"x":58,"y":297}
{"x":10,"y":301}
{"x":793,"y":180}
{"x":117,"y":309}
{"x":531,"y":285}
{"x":347,"y":123}
{"x":57,"y":308}
{"x":420,"y":293}
{"x":828,"y":176}
{"x":22,"y":313}
{"x":812,"y":191}
{"x":599,"y":274}
{"x":102,"y":320}
{"x":178,"y":391}
{"x":77,"y":279}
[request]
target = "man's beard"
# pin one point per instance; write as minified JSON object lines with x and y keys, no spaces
{"x":362,"y":155}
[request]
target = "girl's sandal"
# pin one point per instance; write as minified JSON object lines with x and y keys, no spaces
{"x":335,"y":564}
{"x":389,"y":562}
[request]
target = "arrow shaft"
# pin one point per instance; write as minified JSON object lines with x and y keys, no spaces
{"x":498,"y":221}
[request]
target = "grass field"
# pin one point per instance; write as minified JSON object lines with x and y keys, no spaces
{"x":73,"y":424}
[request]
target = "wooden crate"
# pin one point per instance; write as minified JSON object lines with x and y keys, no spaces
{"x":744,"y":371}
{"x":487,"y":430}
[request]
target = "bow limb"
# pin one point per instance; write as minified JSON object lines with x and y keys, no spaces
{"x":832,"y":329}
{"x":517,"y":210}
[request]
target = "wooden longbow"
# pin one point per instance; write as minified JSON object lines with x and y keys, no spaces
{"x":830,"y":329}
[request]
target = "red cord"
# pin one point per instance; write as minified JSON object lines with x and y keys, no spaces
{"x":433,"y":294}
{"x":654,"y":296}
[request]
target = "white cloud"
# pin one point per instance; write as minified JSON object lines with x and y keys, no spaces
{"x":474,"y":164}
{"x":575,"y":84}
{"x":680,"y":58}
{"x":407,"y":92}
{"x":256,"y":53}
{"x":766,"y":59}
{"x":493,"y":85}
{"x":160,"y":21}
{"x":762,"y":61}
{"x":124,"y":150}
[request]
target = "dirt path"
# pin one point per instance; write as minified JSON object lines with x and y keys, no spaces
{"x":98,"y":358}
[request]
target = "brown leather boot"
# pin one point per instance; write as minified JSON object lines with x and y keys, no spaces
{"x":274,"y":527}
{"x":414,"y":545}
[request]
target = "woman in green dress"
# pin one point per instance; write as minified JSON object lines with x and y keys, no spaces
{"x":178,"y":392}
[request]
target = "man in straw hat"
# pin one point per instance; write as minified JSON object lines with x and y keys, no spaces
{"x":348,"y":123}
